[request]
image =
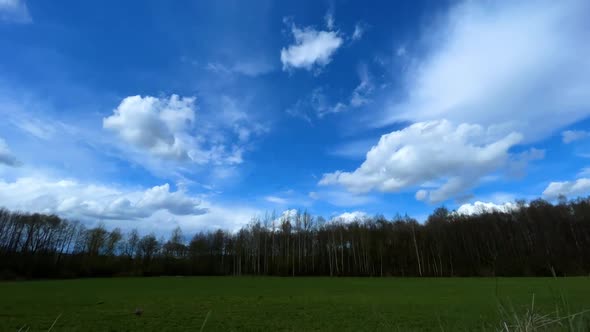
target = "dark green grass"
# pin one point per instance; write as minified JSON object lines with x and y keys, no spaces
{"x":295,"y":304}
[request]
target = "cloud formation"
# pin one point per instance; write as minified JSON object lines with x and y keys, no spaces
{"x":482,"y":207}
{"x":158,"y":125}
{"x":570,"y":189}
{"x":311,"y":48}
{"x":166,"y":128}
{"x":458,"y":156}
{"x":503,"y":64}
{"x":73,"y":199}
{"x":348,"y":217}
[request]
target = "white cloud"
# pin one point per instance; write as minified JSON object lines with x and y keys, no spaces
{"x":6,"y":156}
{"x":482,"y":207}
{"x":460,"y":156}
{"x":569,"y":189}
{"x":166,"y":128}
{"x":569,"y":136}
{"x":359,"y":30}
{"x":348,"y":217}
{"x":158,"y":125}
{"x":14,"y":11}
{"x":311,"y":48}
{"x":73,"y":199}
{"x":289,"y":214}
{"x":506,"y":64}
{"x":276,"y":200}
{"x":154,"y":209}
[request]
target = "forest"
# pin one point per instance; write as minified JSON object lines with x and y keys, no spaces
{"x":538,"y":238}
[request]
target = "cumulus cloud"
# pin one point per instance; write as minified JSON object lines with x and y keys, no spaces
{"x":14,"y":11}
{"x":153,"y":209}
{"x":157,"y":125}
{"x":6,"y":156}
{"x":570,"y":189}
{"x":73,"y":199}
{"x":348,"y":217}
{"x":569,"y":136}
{"x":289,"y":215}
{"x":482,"y":207}
{"x":166,"y":128}
{"x":312,"y":48}
{"x":458,"y":156}
{"x":507,"y":64}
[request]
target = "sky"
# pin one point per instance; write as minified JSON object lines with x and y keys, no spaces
{"x":205,"y":114}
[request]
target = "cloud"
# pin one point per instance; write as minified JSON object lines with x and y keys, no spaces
{"x":159,"y":126}
{"x":570,"y":189}
{"x":315,"y":105}
{"x":37,"y":128}
{"x":482,"y":207}
{"x":318,"y":104}
{"x":458,"y":156}
{"x":14,"y":11}
{"x":276,"y":200}
{"x":166,"y":128}
{"x":155,"y":209}
{"x":6,"y":156}
{"x":329,"y":18}
{"x":348,"y":217}
{"x":73,"y":199}
{"x":312,"y":48}
{"x":505,"y":64}
{"x":359,"y":30}
{"x":569,"y":136}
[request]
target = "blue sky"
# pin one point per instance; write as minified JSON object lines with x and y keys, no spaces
{"x":152,"y":114}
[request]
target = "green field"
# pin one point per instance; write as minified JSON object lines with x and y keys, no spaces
{"x":294,"y":304}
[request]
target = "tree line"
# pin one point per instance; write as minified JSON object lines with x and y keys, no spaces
{"x":535,"y":239}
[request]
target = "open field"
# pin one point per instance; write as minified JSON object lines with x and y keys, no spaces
{"x":299,"y":304}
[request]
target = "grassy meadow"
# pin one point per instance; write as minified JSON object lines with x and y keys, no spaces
{"x":286,"y":304}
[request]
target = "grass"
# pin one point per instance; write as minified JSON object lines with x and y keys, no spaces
{"x":291,"y":304}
